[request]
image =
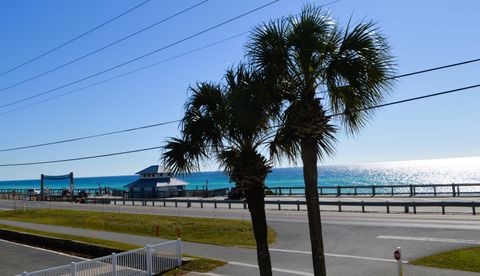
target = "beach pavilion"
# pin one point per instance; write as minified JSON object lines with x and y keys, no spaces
{"x":155,"y":182}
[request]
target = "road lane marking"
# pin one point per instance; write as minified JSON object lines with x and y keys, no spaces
{"x":274,"y":269}
{"x":337,"y":255}
{"x":429,"y":239}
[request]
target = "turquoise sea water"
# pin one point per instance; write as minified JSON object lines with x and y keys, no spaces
{"x":435,"y":171}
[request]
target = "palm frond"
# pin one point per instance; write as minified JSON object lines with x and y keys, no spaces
{"x":182,"y":156}
{"x":205,"y":114}
{"x":359,"y":74}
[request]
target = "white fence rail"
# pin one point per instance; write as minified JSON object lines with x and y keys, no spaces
{"x":149,"y":260}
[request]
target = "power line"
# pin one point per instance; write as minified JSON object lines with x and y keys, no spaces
{"x":140,"y":57}
{"x":425,"y":70}
{"x":436,"y":68}
{"x":138,"y":69}
{"x":75,"y":38}
{"x":417,"y":98}
{"x":90,"y":136}
{"x":129,"y":72}
{"x":158,"y":147}
{"x":174,"y":121}
{"x":102,"y":48}
{"x":79,"y":158}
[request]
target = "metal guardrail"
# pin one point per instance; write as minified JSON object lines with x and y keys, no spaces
{"x":149,"y":260}
{"x":406,"y":205}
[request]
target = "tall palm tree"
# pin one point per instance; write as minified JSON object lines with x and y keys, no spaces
{"x":230,"y":123}
{"x":317,"y":67}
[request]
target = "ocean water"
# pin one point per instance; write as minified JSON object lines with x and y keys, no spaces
{"x":434,"y":171}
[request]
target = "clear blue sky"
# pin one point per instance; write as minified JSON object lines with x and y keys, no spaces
{"x":422,"y":33}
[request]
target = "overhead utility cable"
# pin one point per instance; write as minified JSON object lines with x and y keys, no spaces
{"x":126,"y":73}
{"x":73,"y":39}
{"x":159,"y":147}
{"x":102,"y":48}
{"x":174,"y":121}
{"x":140,"y":57}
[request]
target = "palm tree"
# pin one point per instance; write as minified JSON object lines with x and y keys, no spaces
{"x":317,"y":67}
{"x":230,"y":124}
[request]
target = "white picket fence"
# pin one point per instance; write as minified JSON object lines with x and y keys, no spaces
{"x":149,"y":260}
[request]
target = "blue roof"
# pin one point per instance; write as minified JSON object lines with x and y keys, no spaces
{"x":151,"y":169}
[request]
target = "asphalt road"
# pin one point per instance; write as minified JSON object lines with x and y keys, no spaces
{"x":16,"y":258}
{"x":355,"y":243}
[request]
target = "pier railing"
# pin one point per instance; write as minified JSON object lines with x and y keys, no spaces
{"x":412,"y":190}
{"x":454,"y":190}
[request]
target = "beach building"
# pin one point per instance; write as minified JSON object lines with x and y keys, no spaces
{"x":155,"y":182}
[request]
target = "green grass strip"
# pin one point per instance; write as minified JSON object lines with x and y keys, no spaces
{"x":467,"y":259}
{"x":226,"y":232}
{"x":198,"y":265}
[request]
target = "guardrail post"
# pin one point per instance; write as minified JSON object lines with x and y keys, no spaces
{"x":176,"y":203}
{"x":73,"y":269}
{"x":279,"y":205}
{"x":290,"y":191}
{"x":458,"y":190}
{"x":215,"y":204}
{"x":434,"y":190}
{"x":123,"y":201}
{"x":453,"y":189}
{"x":189,"y":204}
{"x":392,"y":192}
{"x":339,"y":206}
{"x":114,"y":264}
{"x":149,"y":260}
{"x":179,"y":252}
{"x":244,"y":205}
{"x":443,"y":208}
{"x":406,"y":209}
{"x":373,"y":190}
{"x":388,"y":207}
{"x":229,"y":205}
{"x":298,"y":206}
{"x":153,"y":202}
{"x":201,"y":204}
{"x":411,"y":190}
{"x":321,"y":191}
{"x":114,"y":201}
{"x":414,"y":207}
{"x":363,"y":207}
{"x":355,"y":190}
{"x":473,"y":209}
{"x":338,"y":191}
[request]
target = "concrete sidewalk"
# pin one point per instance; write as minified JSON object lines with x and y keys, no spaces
{"x":242,"y":261}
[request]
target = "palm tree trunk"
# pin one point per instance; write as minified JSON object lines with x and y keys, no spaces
{"x":309,"y":149}
{"x":256,"y":206}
